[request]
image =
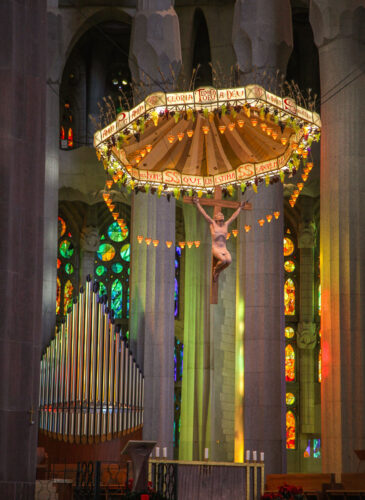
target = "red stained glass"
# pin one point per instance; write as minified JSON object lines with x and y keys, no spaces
{"x":70,"y":138}
{"x":290,"y":430}
{"x":289,"y":297}
{"x":289,"y":363}
{"x":58,"y":296}
{"x":67,"y":299}
{"x":62,"y":134}
{"x":58,"y":263}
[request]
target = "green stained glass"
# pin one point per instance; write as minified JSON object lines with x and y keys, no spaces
{"x":289,"y":266}
{"x":102,"y":288}
{"x":66,"y":249}
{"x":115,"y":233}
{"x":69,"y":268}
{"x":117,"y":296}
{"x":117,"y":268}
{"x":125,"y":252}
{"x":100,"y":270}
{"x":129,"y":271}
{"x":106,"y":252}
{"x":102,"y":237}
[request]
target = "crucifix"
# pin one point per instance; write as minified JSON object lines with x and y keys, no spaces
{"x":221,"y":258}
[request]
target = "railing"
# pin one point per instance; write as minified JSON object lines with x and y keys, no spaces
{"x":180,"y":480}
{"x":91,"y":388}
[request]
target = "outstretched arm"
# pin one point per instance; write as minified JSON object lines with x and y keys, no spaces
{"x":202,"y":211}
{"x":236,"y":213}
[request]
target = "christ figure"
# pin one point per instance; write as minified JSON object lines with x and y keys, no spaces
{"x":219,"y":230}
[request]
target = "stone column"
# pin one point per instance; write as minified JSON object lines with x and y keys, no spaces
{"x":262,"y":40}
{"x":306,"y":334}
{"x":89,"y":244}
{"x":339,"y":35}
{"x":198,"y":362}
{"x":155,"y":45}
{"x":22,"y":146}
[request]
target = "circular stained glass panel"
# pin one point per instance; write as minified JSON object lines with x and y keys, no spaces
{"x":66,"y":249}
{"x":117,"y":268}
{"x":288,"y":246}
{"x":106,"y":252}
{"x":69,"y":268}
{"x":125,"y":252}
{"x":116,"y":234}
{"x":100,"y":270}
{"x":289,"y":332}
{"x":289,"y":266}
{"x":290,"y":398}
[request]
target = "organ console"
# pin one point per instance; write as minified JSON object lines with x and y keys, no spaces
{"x":91,"y":388}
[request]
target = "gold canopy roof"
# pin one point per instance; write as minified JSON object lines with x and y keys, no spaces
{"x":206,"y":138}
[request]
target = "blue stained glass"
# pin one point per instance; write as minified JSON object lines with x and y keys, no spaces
{"x":316,"y":448}
{"x":117,"y":296}
{"x":117,"y":268}
{"x":176,"y":298}
{"x":307,"y":452}
{"x":128,"y":302}
{"x":178,"y":251}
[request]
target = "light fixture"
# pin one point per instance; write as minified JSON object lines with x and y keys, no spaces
{"x":197,"y":243}
{"x":231,"y":126}
{"x":240,"y":123}
{"x":111,"y":207}
{"x":254,"y":121}
{"x":190,"y":133}
{"x":155,"y":242}
{"x":171,"y":138}
{"x":190,"y":244}
{"x":294,"y":145}
{"x":139,"y":238}
{"x":115,"y":178}
{"x":247,"y":228}
{"x":269,"y":131}
{"x":106,"y":196}
{"x":269,"y":218}
{"x":143,"y":153}
{"x":300,"y":186}
{"x":109,"y":184}
{"x":261,"y":222}
{"x":274,"y":135}
{"x":148,"y":241}
{"x":205,"y":129}
{"x":277,"y":214}
{"x":115,"y":215}
{"x":138,"y":158}
{"x":148,"y":148}
{"x":263,"y":126}
{"x":228,"y":236}
{"x":182,"y":244}
{"x":222,"y":129}
{"x":235,"y":232}
{"x":128,"y":167}
{"x":309,"y":166}
{"x":168,"y":244}
{"x":180,"y":136}
{"x":284,"y":140}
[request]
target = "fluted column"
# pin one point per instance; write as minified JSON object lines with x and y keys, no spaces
{"x":338,"y":30}
{"x":155,"y":44}
{"x":262,"y":40}
{"x":22,"y":146}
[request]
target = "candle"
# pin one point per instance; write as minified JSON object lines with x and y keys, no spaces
{"x":254,"y":456}
{"x":262,"y":456}
{"x":206,"y":453}
{"x":164,"y":452}
{"x":157,"y":452}
{"x":248,"y":454}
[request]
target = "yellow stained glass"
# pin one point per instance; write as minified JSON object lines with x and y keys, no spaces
{"x":106,"y":252}
{"x":288,"y":246}
{"x":290,"y":398}
{"x":289,"y":297}
{"x":58,"y":296}
{"x":67,"y":298}
{"x":289,"y":332}
{"x":290,"y":430}
{"x":289,"y":363}
{"x":289,"y":266}
{"x":320,"y":365}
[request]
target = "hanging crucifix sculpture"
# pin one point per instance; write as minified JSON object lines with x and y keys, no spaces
{"x":221,"y":258}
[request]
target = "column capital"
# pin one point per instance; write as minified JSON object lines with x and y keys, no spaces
{"x":155,"y":49}
{"x":306,"y":335}
{"x":262,"y":34}
{"x":336,"y":19}
{"x":307,"y":234}
{"x":89,"y":239}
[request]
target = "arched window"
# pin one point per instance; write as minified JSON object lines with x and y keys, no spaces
{"x":289,"y":363}
{"x":112,"y":266}
{"x":290,"y":430}
{"x":289,"y":297}
{"x":201,"y":51}
{"x":67,"y":279}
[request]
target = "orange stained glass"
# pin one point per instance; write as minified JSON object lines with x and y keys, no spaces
{"x":289,"y":363}
{"x":289,"y":297}
{"x":67,"y":297}
{"x":62,"y":134}
{"x":320,"y":365}
{"x":61,"y":227}
{"x":290,"y":430}
{"x":58,"y":296}
{"x":288,"y":246}
{"x":70,"y":138}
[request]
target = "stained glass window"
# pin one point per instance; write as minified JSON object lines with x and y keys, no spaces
{"x":67,"y":279}
{"x":289,"y":297}
{"x":307,"y":451}
{"x":289,"y":266}
{"x":289,"y":332}
{"x":177,"y":281}
{"x":290,"y":398}
{"x":67,"y":301}
{"x":288,"y":246}
{"x":290,"y":431}
{"x":319,"y":300}
{"x":112,"y":265}
{"x":320,"y":365}
{"x":289,"y":363}
{"x":316,"y":448}
{"x":178,"y":369}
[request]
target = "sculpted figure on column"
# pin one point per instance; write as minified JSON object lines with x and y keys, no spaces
{"x":219,"y":230}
